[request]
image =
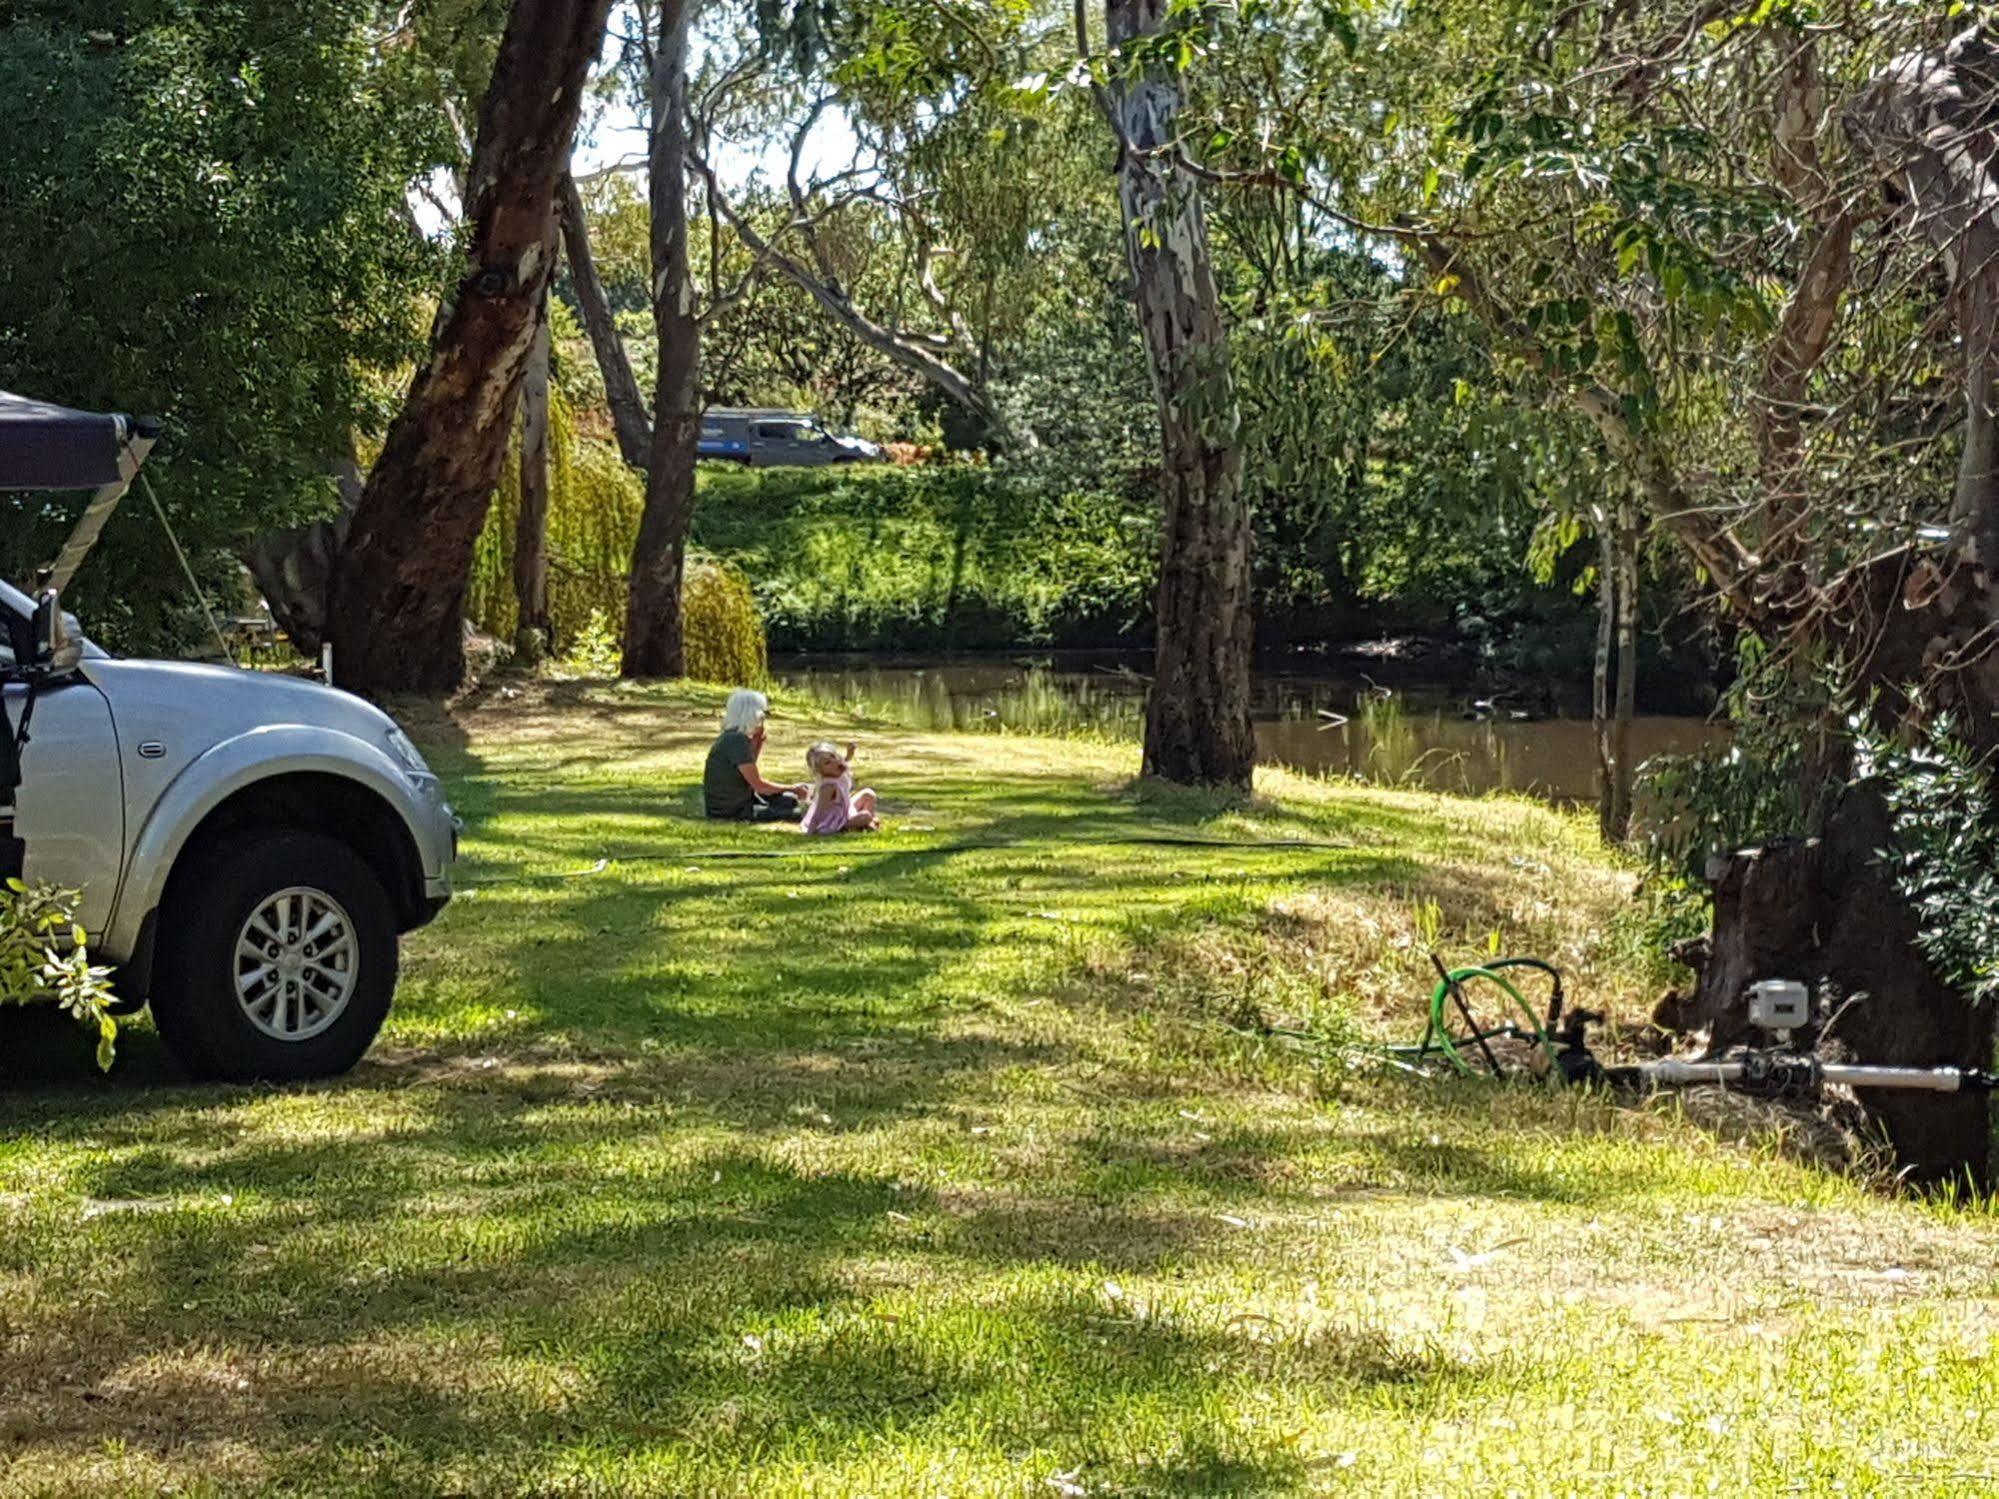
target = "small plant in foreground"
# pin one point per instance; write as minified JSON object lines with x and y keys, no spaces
{"x":594,"y":652}
{"x":36,"y":969}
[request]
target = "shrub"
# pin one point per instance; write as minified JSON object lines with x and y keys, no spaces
{"x":1945,"y":858}
{"x":723,"y":634}
{"x":935,"y":557}
{"x":593,"y":650}
{"x":35,"y":969}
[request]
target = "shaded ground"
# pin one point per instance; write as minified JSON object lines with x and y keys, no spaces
{"x":898,"y":1167}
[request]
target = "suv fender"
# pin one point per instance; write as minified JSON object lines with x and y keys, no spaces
{"x":221,"y":772}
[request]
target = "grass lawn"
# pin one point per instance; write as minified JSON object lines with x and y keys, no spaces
{"x":898,"y":1167}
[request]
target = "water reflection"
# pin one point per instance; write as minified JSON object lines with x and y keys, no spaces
{"x":1321,"y":721}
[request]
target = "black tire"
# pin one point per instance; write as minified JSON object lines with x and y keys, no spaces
{"x":210,"y":898}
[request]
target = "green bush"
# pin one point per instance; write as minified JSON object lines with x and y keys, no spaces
{"x":1945,"y":858}
{"x":37,"y":968}
{"x":724,"y":638}
{"x":958,"y":556}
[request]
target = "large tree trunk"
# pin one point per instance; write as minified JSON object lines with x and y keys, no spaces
{"x":1825,"y":911}
{"x":533,"y":632}
{"x":621,"y":386}
{"x":653,"y":644}
{"x":1197,"y":724}
{"x":399,"y":587}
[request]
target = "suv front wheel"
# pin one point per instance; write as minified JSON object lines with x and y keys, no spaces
{"x":278,"y":958}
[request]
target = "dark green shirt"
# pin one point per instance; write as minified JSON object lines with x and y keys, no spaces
{"x":723,"y":788}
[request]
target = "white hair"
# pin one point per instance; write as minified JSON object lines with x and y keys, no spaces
{"x":746,"y":709}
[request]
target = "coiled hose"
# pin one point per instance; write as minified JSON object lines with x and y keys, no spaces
{"x":1438,"y":1039}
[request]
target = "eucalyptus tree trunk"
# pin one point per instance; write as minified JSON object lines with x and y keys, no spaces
{"x":621,"y":387}
{"x":398,"y":607}
{"x":1624,"y":703}
{"x":653,"y":643}
{"x":1606,"y":648}
{"x":533,"y":633}
{"x":1614,"y":699}
{"x":1197,"y":724}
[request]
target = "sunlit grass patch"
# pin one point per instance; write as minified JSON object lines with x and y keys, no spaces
{"x":965,"y":1159}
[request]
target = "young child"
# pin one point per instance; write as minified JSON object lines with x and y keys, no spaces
{"x":834,"y":806}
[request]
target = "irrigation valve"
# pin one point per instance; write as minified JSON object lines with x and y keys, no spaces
{"x":1780,"y":1006}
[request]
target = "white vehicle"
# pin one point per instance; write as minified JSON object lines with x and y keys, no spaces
{"x":249,"y":847}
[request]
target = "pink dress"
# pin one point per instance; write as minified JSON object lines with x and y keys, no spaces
{"x":832,"y":805}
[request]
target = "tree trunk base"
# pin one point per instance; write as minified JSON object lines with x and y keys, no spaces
{"x":1824,"y":911}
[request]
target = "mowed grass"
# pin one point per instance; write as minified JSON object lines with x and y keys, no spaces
{"x":900,"y":1166}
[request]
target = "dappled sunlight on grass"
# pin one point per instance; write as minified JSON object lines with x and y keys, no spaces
{"x":958,"y":1159}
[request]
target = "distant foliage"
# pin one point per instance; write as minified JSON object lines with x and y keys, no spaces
{"x":724,"y":636}
{"x":931,"y":557}
{"x":203,"y":217}
{"x":594,"y":502}
{"x":44,"y":959}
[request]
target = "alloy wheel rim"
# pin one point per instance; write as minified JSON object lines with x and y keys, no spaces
{"x":296,"y":963}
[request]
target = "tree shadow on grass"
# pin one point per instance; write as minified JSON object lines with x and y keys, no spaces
{"x":720,"y":1300}
{"x":615,"y":1219}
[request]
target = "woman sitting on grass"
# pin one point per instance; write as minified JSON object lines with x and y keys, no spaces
{"x":733,"y":789}
{"x":835,"y":806}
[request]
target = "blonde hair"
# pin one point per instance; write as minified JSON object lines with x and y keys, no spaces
{"x":818,"y":753}
{"x":745,"y":709}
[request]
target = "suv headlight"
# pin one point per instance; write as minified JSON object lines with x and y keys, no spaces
{"x":407,"y":755}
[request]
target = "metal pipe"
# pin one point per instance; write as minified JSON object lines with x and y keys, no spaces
{"x":1920,"y":1079}
{"x":1678,"y":1072}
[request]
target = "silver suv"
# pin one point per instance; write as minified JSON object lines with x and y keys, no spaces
{"x":249,"y":847}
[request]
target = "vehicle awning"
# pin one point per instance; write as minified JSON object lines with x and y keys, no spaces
{"x":52,"y":447}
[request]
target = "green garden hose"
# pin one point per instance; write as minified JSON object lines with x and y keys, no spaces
{"x":1437,"y":1038}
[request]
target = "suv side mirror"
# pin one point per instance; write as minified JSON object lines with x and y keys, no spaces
{"x":57,"y":652}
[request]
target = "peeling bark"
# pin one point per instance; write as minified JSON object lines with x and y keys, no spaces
{"x":1197,"y":723}
{"x":398,"y":597}
{"x":654,"y":646}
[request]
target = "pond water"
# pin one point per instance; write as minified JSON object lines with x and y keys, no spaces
{"x":1328,"y":718}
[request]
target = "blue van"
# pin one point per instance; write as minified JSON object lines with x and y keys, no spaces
{"x":773,"y":439}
